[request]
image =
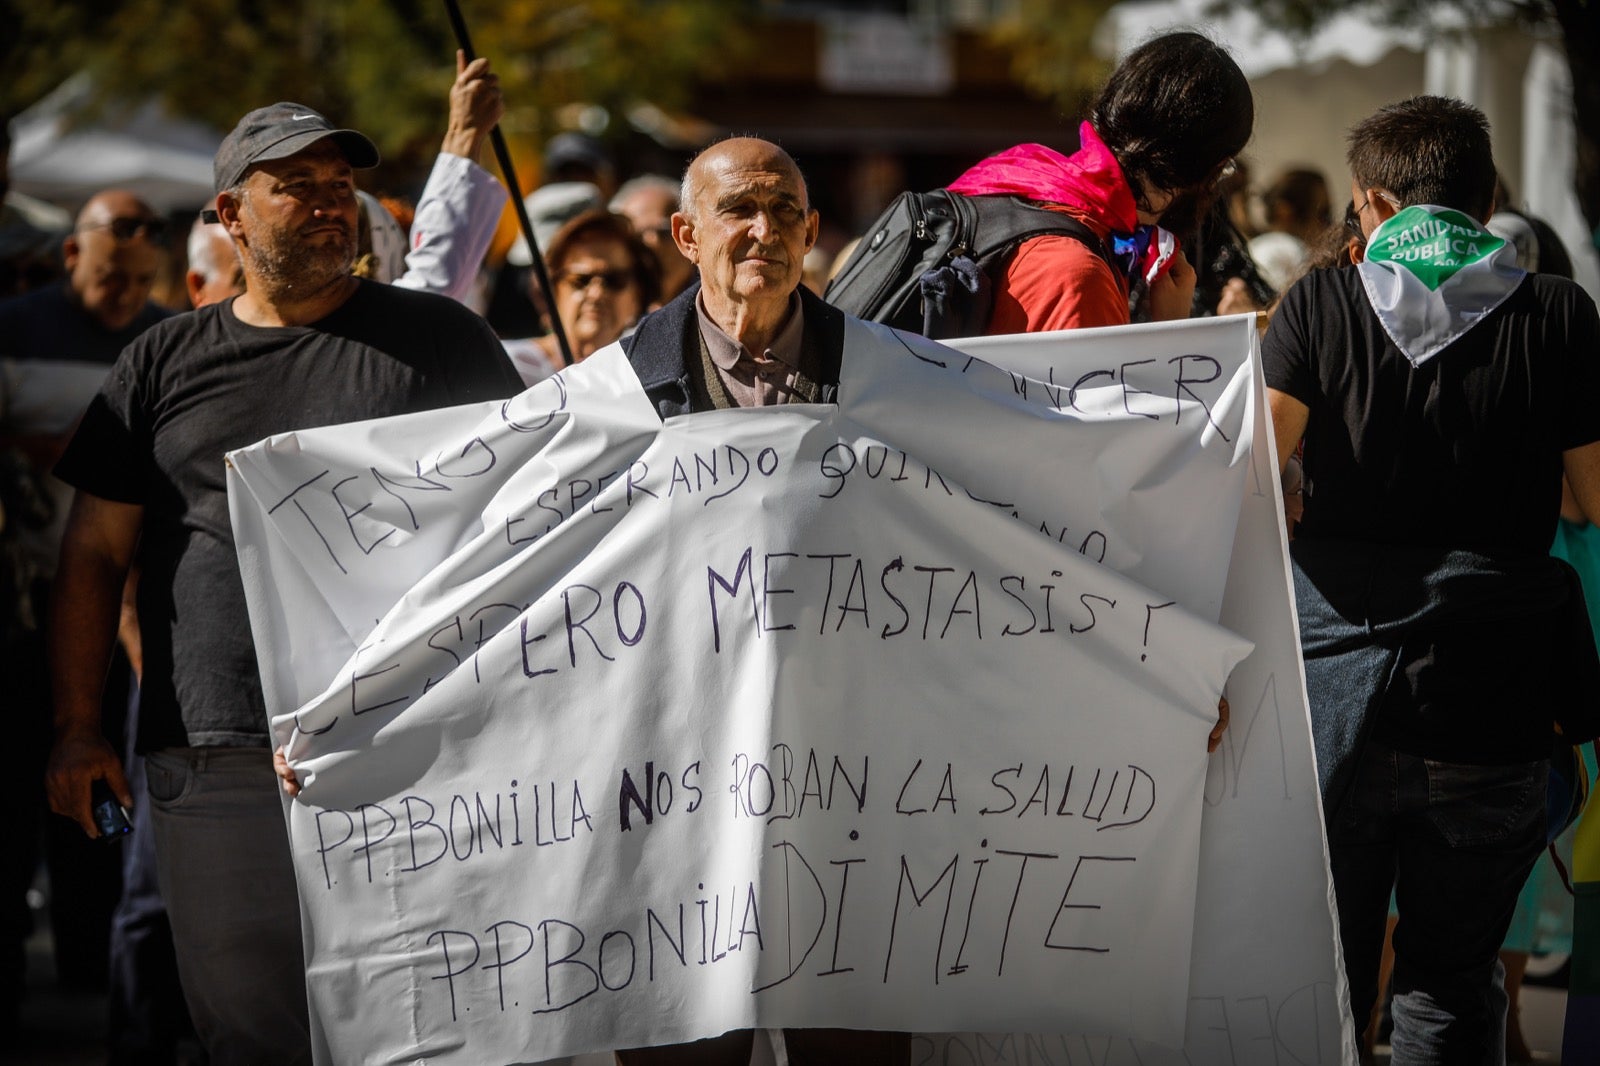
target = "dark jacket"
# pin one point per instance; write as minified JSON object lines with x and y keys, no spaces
{"x":1382,"y":623}
{"x":665,"y":340}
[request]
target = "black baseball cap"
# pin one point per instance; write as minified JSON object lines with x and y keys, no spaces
{"x":282,"y":130}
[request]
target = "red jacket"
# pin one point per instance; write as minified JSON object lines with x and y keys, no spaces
{"x":1054,"y":281}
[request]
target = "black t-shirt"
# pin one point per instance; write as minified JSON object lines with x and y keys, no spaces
{"x":199,"y":385}
{"x":49,"y":324}
{"x":1463,"y":453}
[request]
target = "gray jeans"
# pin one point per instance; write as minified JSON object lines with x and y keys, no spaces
{"x":222,"y":858}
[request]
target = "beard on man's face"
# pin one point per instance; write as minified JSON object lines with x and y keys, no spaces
{"x":304,"y":259}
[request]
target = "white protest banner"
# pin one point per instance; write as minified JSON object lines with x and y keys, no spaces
{"x":781,"y":648}
{"x":1266,"y":984}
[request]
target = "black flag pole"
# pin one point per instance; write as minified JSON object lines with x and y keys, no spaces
{"x":503,"y":156}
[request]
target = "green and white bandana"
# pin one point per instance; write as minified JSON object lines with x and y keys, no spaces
{"x":1431,"y":274}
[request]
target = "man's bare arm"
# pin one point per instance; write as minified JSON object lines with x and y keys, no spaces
{"x":1289,"y":418}
{"x":96,"y":551}
{"x":128,"y":625}
{"x":1582,"y":467}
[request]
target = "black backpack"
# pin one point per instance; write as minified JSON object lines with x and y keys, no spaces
{"x":929,"y":263}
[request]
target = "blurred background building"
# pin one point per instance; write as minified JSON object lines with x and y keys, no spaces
{"x":872,"y":96}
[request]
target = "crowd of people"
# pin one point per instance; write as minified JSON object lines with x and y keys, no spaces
{"x":1428,"y":418}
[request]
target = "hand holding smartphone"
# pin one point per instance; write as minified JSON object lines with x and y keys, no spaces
{"x":109,"y":816}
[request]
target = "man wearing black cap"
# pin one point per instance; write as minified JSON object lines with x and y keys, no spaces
{"x":306,"y":344}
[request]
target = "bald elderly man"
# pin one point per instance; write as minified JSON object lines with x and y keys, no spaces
{"x":112,"y":255}
{"x":63,"y":338}
{"x":747,"y":335}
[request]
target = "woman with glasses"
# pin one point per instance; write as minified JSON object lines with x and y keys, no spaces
{"x":604,"y":279}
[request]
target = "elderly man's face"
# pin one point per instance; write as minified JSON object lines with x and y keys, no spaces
{"x":650,"y":210}
{"x":112,"y":275}
{"x":751,"y":227}
{"x":297,"y":220}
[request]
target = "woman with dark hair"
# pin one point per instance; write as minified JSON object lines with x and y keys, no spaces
{"x":604,"y":278}
{"x":1159,"y":137}
{"x":1174,"y":114}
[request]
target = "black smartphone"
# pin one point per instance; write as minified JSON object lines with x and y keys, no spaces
{"x":109,"y":817}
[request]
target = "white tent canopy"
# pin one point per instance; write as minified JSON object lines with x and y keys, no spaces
{"x":164,"y":160}
{"x":1259,"y":49}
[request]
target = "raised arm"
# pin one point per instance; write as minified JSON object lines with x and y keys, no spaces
{"x":86,"y":606}
{"x":461,"y":204}
{"x":475,"y":107}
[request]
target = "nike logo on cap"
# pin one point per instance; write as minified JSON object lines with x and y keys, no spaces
{"x":297,"y":118}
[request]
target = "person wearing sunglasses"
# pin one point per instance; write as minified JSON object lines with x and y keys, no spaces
{"x":111,"y":256}
{"x":604,"y":279}
{"x":56,"y":343}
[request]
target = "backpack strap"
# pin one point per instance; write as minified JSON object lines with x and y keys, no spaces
{"x":989,"y":232}
{"x":1026,"y":220}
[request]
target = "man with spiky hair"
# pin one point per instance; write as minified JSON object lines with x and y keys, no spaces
{"x":1441,"y":393}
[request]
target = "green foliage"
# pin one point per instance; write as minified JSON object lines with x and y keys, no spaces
{"x":383,"y":66}
{"x":604,"y":52}
{"x":1050,"y":42}
{"x":37,"y":42}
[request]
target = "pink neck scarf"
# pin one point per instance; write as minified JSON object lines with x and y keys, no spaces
{"x":1090,"y":179}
